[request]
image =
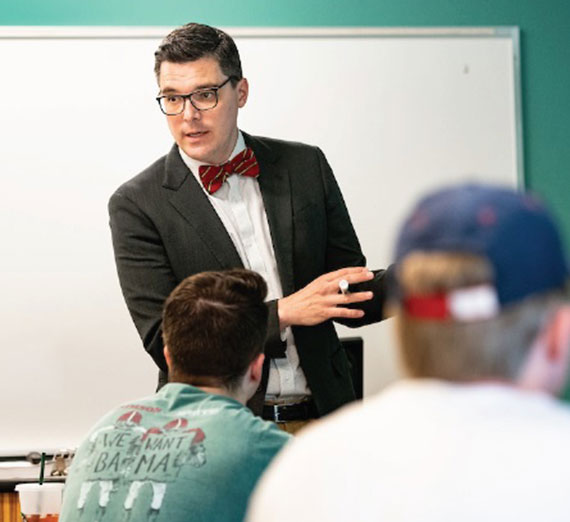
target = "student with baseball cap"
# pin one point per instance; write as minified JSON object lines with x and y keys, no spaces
{"x":475,"y":432}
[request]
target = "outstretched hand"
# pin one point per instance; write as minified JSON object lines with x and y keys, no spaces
{"x":321,"y":300}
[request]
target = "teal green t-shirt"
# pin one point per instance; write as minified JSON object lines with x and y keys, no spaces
{"x":179,"y":455}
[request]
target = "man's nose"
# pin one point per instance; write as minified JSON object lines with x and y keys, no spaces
{"x":190,"y":112}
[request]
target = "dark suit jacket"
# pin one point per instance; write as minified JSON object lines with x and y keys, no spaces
{"x":165,"y":229}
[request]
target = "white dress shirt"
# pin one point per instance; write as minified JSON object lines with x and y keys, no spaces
{"x":239,"y":206}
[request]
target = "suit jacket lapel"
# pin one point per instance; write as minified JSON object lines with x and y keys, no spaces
{"x":190,"y":201}
{"x":276,"y":192}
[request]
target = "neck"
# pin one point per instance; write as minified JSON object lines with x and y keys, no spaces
{"x":236,"y":395}
{"x":211,"y":385}
{"x":227,"y":154}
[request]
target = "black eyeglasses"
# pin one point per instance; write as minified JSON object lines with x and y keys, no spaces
{"x":201,"y":100}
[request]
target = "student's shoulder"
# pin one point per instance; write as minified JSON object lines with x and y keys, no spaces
{"x":264,"y":434}
{"x":133,"y":414}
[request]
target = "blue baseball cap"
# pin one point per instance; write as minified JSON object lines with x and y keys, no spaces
{"x":512,"y":230}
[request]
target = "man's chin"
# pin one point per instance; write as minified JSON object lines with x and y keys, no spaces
{"x":201,"y":154}
{"x":203,"y":149}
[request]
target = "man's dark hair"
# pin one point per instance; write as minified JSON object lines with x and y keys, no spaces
{"x":194,"y":41}
{"x":215,"y":324}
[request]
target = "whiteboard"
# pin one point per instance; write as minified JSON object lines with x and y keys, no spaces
{"x":396,"y":111}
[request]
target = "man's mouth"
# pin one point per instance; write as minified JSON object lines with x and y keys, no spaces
{"x":195,"y":134}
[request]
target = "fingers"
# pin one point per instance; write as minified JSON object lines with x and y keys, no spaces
{"x":321,"y":300}
{"x":353,"y":274}
{"x":351,"y":279}
{"x":349,"y":298}
{"x":359,"y":277}
{"x":346,"y":313}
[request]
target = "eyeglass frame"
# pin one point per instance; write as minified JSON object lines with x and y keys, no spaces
{"x":188,"y":97}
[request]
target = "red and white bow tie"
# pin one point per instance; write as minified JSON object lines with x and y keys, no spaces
{"x":243,"y":164}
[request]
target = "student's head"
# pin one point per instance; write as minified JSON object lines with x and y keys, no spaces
{"x":214,"y":328}
{"x":204,"y":61}
{"x":481,"y":275}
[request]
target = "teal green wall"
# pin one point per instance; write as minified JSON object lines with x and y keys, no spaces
{"x":545,"y":48}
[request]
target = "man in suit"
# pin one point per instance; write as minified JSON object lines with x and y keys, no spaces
{"x":282,"y":216}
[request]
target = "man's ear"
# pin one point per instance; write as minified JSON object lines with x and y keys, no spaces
{"x":166,"y":353}
{"x":243,"y":92}
{"x":256,"y":368}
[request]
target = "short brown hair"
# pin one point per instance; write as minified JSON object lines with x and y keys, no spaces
{"x":194,"y":41}
{"x":215,"y":324}
{"x":463,"y":351}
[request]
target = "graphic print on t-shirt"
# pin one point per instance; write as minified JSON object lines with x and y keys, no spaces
{"x":125,"y":454}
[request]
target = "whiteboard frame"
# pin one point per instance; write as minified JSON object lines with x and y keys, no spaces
{"x":512,"y":33}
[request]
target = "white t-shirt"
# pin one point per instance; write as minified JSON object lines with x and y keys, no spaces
{"x":425,"y":450}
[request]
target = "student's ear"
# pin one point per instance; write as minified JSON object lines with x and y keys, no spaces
{"x":166,"y":353}
{"x":557,"y":336}
{"x":256,"y":368}
{"x":547,"y":365}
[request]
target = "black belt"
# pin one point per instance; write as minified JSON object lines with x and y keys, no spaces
{"x":290,"y":412}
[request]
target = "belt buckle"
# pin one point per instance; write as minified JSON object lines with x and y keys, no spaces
{"x":276,"y":416}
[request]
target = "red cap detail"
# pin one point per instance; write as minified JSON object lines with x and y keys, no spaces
{"x":427,"y":306}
